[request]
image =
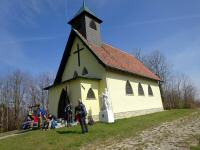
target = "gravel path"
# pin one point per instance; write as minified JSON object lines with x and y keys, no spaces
{"x":7,"y":136}
{"x":176,"y":135}
{"x":12,"y":133}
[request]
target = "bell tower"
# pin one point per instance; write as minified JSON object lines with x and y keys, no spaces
{"x":88,"y":24}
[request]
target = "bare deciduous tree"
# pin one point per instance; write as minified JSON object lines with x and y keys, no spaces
{"x":17,"y":91}
{"x":44,"y":80}
{"x":176,"y":89}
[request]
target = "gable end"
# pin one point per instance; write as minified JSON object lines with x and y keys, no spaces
{"x":66,"y":55}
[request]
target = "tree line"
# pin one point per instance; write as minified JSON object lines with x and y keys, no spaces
{"x":18,"y":90}
{"x":177,"y":89}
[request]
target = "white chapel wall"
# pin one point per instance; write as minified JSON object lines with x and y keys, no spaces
{"x":126,"y":103}
{"x":92,"y":105}
{"x":54,"y":96}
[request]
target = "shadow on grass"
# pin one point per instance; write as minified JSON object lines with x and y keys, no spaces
{"x":68,"y":132}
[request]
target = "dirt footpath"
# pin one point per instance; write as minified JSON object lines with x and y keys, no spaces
{"x":12,"y":133}
{"x":176,"y":135}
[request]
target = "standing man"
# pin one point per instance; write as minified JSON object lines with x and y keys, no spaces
{"x":83,"y":114}
{"x":68,"y":111}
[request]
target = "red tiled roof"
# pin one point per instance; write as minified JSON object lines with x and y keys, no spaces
{"x":118,"y":59}
{"x":115,"y":58}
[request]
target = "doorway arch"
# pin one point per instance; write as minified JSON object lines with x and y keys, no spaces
{"x":63,"y":102}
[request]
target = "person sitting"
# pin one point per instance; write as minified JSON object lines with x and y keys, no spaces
{"x":46,"y":124}
{"x":30,"y":112}
{"x":35,"y":121}
{"x":38,"y":114}
{"x":27,"y":123}
{"x":53,"y":122}
{"x":44,"y":119}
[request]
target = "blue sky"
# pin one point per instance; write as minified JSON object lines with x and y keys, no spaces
{"x":33,"y":33}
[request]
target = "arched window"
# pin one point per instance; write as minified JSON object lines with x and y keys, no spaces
{"x":129,"y":89}
{"x":93,"y":25}
{"x":90,"y":94}
{"x":84,"y":72}
{"x":150,"y":92}
{"x":140,"y":89}
{"x":75,"y":74}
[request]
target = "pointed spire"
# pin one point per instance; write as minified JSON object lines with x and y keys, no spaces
{"x":83,"y":9}
{"x":84,"y":4}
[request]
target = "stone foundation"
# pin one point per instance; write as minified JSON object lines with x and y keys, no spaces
{"x":129,"y":114}
{"x":95,"y":118}
{"x":136,"y":113}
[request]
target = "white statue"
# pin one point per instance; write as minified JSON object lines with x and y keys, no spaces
{"x":106,"y":102}
{"x":106,"y":113}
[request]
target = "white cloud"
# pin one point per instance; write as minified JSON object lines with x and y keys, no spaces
{"x":12,"y":51}
{"x":30,"y":39}
{"x":161,"y":20}
{"x":26,"y":11}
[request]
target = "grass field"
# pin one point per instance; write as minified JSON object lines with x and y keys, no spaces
{"x":71,"y":138}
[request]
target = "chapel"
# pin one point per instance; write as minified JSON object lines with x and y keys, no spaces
{"x":89,"y":67}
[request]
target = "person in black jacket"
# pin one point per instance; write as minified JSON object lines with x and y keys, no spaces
{"x":68,"y":111}
{"x":83,"y":114}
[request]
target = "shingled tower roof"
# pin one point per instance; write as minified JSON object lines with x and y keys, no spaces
{"x":82,"y":10}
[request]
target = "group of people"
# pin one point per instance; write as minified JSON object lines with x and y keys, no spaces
{"x":38,"y":117}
